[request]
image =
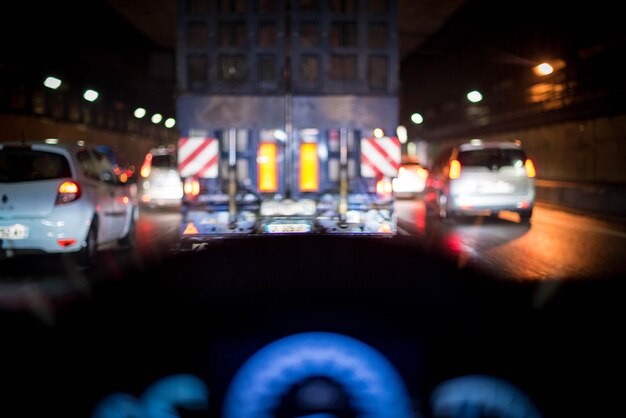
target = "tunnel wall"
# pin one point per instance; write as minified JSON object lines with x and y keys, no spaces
{"x":131,"y":148}
{"x":590,"y":151}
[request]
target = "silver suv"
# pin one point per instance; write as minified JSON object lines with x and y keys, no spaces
{"x":478,"y":176}
{"x":159,"y":183}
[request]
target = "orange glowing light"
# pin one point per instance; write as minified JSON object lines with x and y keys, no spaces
{"x":455,"y":169}
{"x":190,"y":229}
{"x":530,"y":168}
{"x":309,"y":168}
{"x":266,"y":160}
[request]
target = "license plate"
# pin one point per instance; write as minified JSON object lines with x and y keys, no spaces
{"x":16,"y":231}
{"x":496,"y":187}
{"x":287,"y":228}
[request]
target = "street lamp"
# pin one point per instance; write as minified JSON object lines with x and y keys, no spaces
{"x":543,"y":69}
{"x":52,"y":83}
{"x":140,"y":112}
{"x":474,"y":96}
{"x":416,"y":118}
{"x":90,"y":95}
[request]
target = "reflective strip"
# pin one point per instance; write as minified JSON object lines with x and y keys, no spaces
{"x":380,"y":157}
{"x":309,"y":168}
{"x":198,"y":156}
{"x":266,"y":161}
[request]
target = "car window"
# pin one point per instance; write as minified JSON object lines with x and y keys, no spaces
{"x":106,"y":168}
{"x":18,"y":165}
{"x":492,"y":156}
{"x":164,"y":161}
{"x":87,"y":165}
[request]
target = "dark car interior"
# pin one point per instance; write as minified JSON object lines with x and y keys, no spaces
{"x":197,"y":329}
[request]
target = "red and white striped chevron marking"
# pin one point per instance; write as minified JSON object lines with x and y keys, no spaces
{"x":198,"y":156}
{"x":380,"y":157}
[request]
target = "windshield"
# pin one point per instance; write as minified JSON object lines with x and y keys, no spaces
{"x":492,"y":156}
{"x":312,"y":208}
{"x":17,"y":165}
{"x":164,"y":161}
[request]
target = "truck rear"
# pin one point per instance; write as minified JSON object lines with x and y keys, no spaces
{"x":303,"y":144}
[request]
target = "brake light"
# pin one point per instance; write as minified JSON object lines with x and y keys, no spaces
{"x":146,"y":167}
{"x":191,"y":187}
{"x":66,"y":242}
{"x":309,"y":168}
{"x":266,"y":162}
{"x":67,"y":192}
{"x":455,"y":169}
{"x":384,"y":188}
{"x":530,"y":168}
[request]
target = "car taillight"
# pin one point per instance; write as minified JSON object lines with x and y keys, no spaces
{"x":530,"y":168}
{"x":146,"y":167}
{"x":67,"y":192}
{"x":66,"y":242}
{"x":384,"y":188}
{"x":191,"y":187}
{"x":309,"y":168}
{"x":266,"y":162}
{"x":455,"y":169}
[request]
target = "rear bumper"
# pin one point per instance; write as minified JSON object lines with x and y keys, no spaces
{"x":471,"y":203}
{"x":199,"y":225}
{"x":71,"y":222}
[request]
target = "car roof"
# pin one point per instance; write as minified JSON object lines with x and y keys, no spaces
{"x":162,"y":150}
{"x":478,"y":144}
{"x":43,"y":146}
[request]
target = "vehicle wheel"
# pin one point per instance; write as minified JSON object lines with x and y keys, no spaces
{"x":525,"y":215}
{"x":87,"y":254}
{"x":128,"y":240}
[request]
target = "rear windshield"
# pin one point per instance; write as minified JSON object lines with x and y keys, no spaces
{"x":490,"y":157}
{"x":165,"y":161}
{"x":28,"y":165}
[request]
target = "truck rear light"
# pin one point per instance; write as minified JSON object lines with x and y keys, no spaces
{"x":67,"y":192}
{"x":530,"y":168}
{"x":309,"y":168}
{"x":455,"y":169}
{"x":146,"y":167}
{"x":191,"y":187}
{"x":266,"y":162}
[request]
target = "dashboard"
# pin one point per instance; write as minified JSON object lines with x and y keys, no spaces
{"x":320,"y":327}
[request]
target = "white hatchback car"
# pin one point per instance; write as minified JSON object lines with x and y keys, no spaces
{"x":481,"y":176}
{"x":61,"y":199}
